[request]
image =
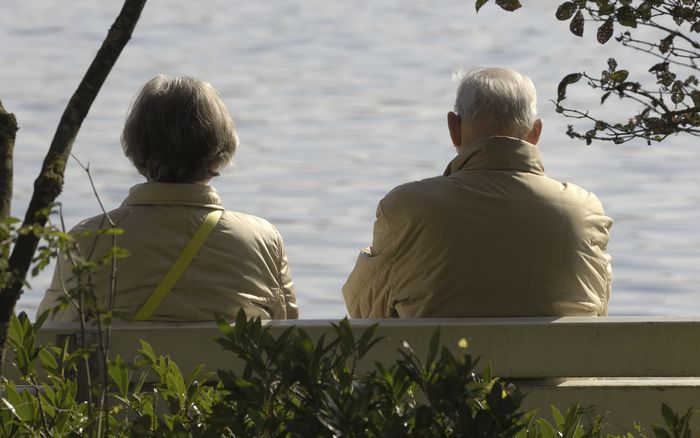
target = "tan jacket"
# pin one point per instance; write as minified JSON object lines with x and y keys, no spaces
{"x":242,"y":264}
{"x":494,"y":236}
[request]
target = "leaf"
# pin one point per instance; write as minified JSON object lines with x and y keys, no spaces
{"x":147,"y":351}
{"x":605,"y":31}
{"x":434,"y":345}
{"x":576,"y":25}
{"x":565,"y":11}
{"x":670,"y":417}
{"x":666,"y":43}
{"x":569,"y":79}
{"x":120,"y":375}
{"x":678,"y":15}
{"x":677,"y":96}
{"x":487,"y":374}
{"x":627,"y":16}
{"x":41,"y":319}
{"x":660,"y":67}
{"x":546,"y":429}
{"x":606,"y":9}
{"x":619,"y":76}
{"x":579,"y":431}
{"x":480,"y":4}
{"x":695,"y":95}
{"x":660,"y":432}
{"x":644,"y":10}
{"x":48,"y":361}
{"x":684,"y":422}
{"x":558,"y":417}
{"x":509,"y":5}
{"x":223,"y":325}
{"x":16,"y":331}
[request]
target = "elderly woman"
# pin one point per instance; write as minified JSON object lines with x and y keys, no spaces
{"x":189,"y":257}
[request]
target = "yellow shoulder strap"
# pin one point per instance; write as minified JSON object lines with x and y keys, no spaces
{"x":176,"y":270}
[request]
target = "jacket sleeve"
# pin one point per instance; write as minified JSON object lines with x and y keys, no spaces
{"x":368,"y":288}
{"x":608,"y":266}
{"x":600,"y":238}
{"x":291,"y":310}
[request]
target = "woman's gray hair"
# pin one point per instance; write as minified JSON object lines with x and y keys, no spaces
{"x":501,"y":100}
{"x":179,"y":130}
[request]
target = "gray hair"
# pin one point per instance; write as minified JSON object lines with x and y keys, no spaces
{"x":179,"y":130}
{"x":500,"y":99}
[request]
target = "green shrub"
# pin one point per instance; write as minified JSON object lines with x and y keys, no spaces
{"x":288,"y":386}
{"x":291,"y":386}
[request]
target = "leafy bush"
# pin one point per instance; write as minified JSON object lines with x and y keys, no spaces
{"x":288,"y":386}
{"x":291,"y":386}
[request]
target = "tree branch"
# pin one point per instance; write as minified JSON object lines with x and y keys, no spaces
{"x":8,"y":131}
{"x":49,"y":184}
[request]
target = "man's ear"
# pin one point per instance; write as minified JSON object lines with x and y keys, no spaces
{"x":534,"y":135}
{"x":454,"y":124}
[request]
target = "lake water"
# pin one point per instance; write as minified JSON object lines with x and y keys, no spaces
{"x":337,"y":102}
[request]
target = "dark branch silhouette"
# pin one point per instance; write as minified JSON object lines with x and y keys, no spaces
{"x":8,"y":130}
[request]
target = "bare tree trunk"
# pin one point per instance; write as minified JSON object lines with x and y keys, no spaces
{"x":49,"y":184}
{"x":8,"y":130}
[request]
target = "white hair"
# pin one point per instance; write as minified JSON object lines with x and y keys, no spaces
{"x":501,"y":99}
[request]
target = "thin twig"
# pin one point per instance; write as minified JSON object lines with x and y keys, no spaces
{"x":40,"y":405}
{"x":691,"y":55}
{"x":104,"y":341}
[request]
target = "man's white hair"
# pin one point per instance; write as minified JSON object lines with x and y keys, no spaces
{"x":498,"y":99}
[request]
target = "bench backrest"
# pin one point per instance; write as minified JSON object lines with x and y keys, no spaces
{"x":523,"y":348}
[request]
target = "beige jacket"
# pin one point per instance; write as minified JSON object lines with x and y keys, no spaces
{"x":492,"y":237}
{"x":242,"y":264}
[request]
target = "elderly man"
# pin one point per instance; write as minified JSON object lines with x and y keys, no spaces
{"x":493,"y":236}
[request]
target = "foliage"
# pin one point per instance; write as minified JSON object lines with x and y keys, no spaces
{"x":291,"y":386}
{"x":50,"y":406}
{"x":53,"y":240}
{"x":668,"y":100}
{"x":286,"y":386}
{"x":77,"y":290}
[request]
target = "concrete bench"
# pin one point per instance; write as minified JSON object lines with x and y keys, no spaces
{"x":624,"y":366}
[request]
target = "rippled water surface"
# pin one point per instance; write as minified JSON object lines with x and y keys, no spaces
{"x":336,"y":102}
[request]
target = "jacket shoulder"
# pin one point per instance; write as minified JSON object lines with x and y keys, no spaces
{"x":575,"y":193}
{"x":251,"y":222}
{"x":414,"y":190}
{"x":101,"y":221}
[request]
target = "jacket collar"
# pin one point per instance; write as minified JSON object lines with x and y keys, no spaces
{"x":192,"y":195}
{"x":498,"y":153}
